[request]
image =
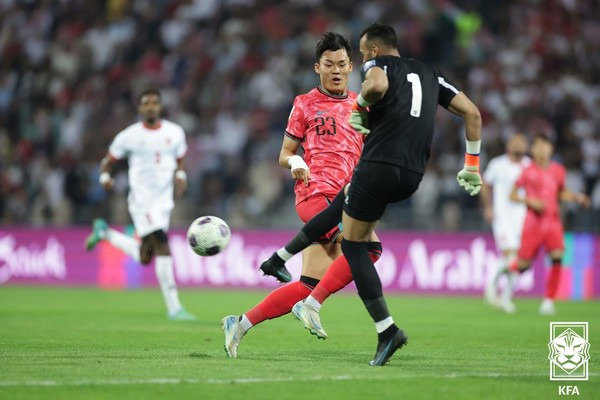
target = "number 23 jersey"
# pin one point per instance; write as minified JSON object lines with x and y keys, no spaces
{"x":319,"y":121}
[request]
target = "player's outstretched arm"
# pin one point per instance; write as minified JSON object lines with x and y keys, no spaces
{"x":289,"y":159}
{"x":574,"y":197}
{"x":469,"y":177}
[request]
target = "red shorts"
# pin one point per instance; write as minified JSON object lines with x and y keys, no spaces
{"x":313,"y":205}
{"x":540,"y":233}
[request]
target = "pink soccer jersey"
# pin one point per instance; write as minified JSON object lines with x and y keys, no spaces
{"x":544,"y":184}
{"x":332,"y":147}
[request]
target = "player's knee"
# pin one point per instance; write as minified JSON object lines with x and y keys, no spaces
{"x":145,"y":257}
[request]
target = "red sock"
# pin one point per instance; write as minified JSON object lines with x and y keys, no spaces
{"x":553,"y":281}
{"x":513,"y":266}
{"x":279,"y":302}
{"x":337,"y":277}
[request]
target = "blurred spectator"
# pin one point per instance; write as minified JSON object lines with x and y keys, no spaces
{"x":228,"y":71}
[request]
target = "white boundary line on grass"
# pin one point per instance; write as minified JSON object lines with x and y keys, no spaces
{"x":175,"y":381}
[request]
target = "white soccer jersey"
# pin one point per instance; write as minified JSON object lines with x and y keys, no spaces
{"x":152,"y":155}
{"x":501,"y":174}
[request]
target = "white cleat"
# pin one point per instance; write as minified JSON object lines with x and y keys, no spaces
{"x":508,"y":306}
{"x":233,"y":334}
{"x":547,"y":307}
{"x":309,"y":316}
{"x":491,"y":296}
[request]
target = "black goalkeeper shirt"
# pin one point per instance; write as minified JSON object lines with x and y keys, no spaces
{"x":401,"y":123}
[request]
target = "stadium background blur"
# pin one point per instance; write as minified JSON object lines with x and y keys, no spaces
{"x":228,"y":71}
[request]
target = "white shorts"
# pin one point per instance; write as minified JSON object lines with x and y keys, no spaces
{"x":148,"y":221}
{"x":507,"y":235}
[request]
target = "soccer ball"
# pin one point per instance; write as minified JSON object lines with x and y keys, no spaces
{"x":208,"y":235}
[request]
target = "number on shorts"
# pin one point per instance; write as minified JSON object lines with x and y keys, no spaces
{"x":417,"y":94}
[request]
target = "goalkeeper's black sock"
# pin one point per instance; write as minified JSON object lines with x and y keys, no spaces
{"x":319,"y":225}
{"x":369,"y":287}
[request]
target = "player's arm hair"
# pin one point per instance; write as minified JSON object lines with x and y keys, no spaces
{"x":289,"y":148}
{"x":465,"y":108}
{"x":375,"y":85}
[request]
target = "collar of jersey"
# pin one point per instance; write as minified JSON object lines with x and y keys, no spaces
{"x":152,"y":128}
{"x":333,"y":96}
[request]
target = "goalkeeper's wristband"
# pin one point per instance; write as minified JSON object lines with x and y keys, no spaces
{"x":361,"y":104}
{"x":104,"y":178}
{"x":297,"y":162}
{"x":471,"y":161}
{"x":357,"y":107}
{"x":181,"y":175}
{"x":473,"y":147}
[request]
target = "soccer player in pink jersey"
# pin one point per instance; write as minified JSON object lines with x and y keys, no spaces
{"x":543,"y":183}
{"x":319,"y":123}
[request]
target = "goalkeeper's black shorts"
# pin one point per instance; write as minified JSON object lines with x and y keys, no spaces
{"x":374,"y":185}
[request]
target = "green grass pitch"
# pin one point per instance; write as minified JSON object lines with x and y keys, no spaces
{"x":58,"y":343}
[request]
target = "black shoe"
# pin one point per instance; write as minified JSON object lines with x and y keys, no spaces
{"x":276,"y":268}
{"x":388,"y":347}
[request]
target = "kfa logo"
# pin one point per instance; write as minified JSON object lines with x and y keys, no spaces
{"x":569,"y":351}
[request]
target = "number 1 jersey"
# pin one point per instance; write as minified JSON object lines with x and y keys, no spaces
{"x":402,"y":121}
{"x":319,"y":121}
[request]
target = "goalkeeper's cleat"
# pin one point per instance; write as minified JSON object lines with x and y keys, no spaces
{"x":182,"y":315}
{"x":275,"y":267}
{"x":309,"y":316}
{"x":388,"y":347}
{"x":234,"y":334}
{"x":99,"y":229}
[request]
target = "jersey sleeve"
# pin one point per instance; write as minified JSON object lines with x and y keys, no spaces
{"x":296,"y":126}
{"x":119,"y":147}
{"x":182,"y":146}
{"x":371,"y":64}
{"x":447,"y":89}
{"x":489,"y":176}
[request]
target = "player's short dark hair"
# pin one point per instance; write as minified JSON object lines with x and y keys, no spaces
{"x":332,"y":41}
{"x":151,"y":91}
{"x":541,"y":136}
{"x":384,"y":34}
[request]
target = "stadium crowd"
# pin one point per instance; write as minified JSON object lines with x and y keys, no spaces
{"x":228,"y":71}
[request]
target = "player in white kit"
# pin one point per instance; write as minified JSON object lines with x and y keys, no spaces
{"x":506,"y":216}
{"x":155,"y":149}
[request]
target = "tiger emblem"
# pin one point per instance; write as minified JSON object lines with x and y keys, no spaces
{"x":569,"y":351}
